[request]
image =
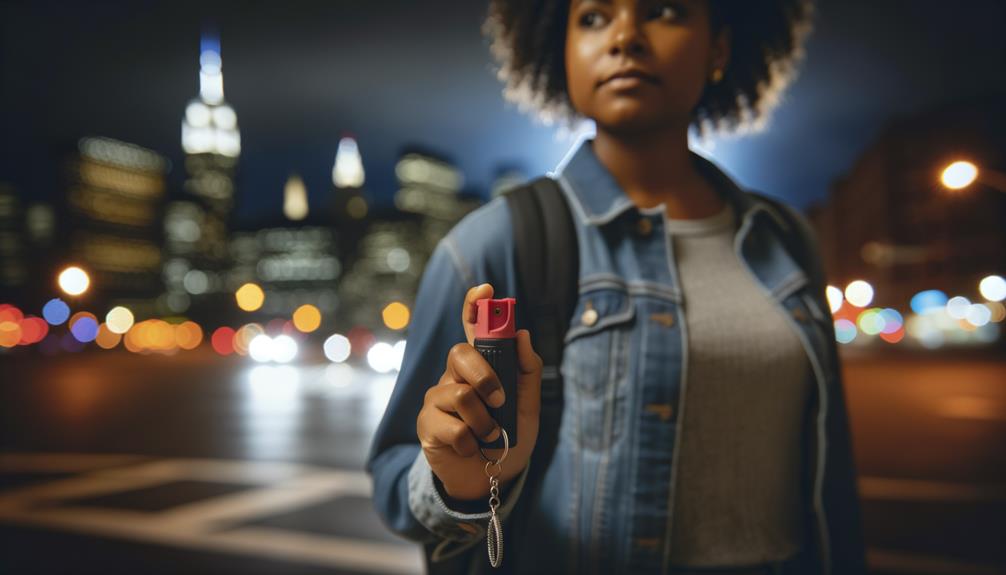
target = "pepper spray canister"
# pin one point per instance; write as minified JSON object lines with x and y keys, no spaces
{"x":496,"y":340}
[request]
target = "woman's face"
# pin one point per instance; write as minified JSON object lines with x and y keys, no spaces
{"x":668,"y":46}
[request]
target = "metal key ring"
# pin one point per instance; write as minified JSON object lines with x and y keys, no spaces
{"x":506,"y":449}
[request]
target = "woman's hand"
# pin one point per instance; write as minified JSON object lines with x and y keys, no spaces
{"x":454,"y":414}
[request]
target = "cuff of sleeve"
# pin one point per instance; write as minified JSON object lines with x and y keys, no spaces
{"x":428,"y":504}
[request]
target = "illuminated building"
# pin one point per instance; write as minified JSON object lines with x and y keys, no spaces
{"x":196,"y":227}
{"x":114,"y":196}
{"x":431,"y":187}
{"x":891,"y":221}
{"x":388,"y":258}
{"x":295,"y":263}
{"x":13,"y":253}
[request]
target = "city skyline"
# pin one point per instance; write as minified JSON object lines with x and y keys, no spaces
{"x":395,"y":75}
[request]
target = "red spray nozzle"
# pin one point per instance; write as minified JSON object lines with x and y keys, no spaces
{"x":496,"y":318}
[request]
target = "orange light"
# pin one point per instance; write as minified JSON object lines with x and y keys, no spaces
{"x":188,"y":335}
{"x":107,"y":339}
{"x":307,"y":318}
{"x":10,"y":333}
{"x":250,"y":297}
{"x":396,"y":315}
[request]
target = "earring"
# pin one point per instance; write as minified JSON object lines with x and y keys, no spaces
{"x":717,"y":75}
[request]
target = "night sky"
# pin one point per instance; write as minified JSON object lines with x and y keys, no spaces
{"x":397,"y":73}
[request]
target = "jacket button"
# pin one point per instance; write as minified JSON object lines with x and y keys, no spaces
{"x":644,"y":226}
{"x":649,"y":542}
{"x":664,"y":319}
{"x":664,"y":410}
{"x":589,"y":317}
{"x":799,"y":315}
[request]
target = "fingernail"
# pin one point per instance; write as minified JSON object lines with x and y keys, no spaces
{"x":496,"y":398}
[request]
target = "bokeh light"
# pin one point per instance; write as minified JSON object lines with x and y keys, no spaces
{"x":107,"y":339}
{"x":10,"y":313}
{"x":74,"y":281}
{"x":337,"y":348}
{"x":928,"y":300}
{"x":859,"y":293}
{"x":997,"y":310}
{"x":381,"y":357}
{"x":307,"y":318}
{"x":10,"y":333}
{"x":835,"y":298}
{"x":845,"y":331}
{"x":395,"y":315}
{"x":33,"y":330}
{"x":260,"y":348}
{"x":188,"y":335}
{"x":85,"y":329}
{"x":893,"y":321}
{"x":284,"y":349}
{"x":978,"y":315}
{"x":119,"y":319}
{"x":245,"y":334}
{"x":959,"y":175}
{"x":55,"y":311}
{"x":223,"y":340}
{"x":993,"y":288}
{"x":870,"y":321}
{"x":958,"y":307}
{"x":250,"y":297}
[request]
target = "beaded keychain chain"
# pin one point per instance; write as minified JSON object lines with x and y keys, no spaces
{"x":494,"y":531}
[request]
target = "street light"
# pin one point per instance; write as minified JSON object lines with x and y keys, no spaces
{"x":959,"y":175}
{"x":962,"y":173}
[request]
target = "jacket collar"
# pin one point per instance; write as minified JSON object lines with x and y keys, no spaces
{"x":598,"y":199}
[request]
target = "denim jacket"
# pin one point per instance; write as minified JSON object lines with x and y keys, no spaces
{"x":603,"y":504}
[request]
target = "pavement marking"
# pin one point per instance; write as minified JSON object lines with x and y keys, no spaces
{"x":891,"y":489}
{"x":62,"y":462}
{"x":274,"y":488}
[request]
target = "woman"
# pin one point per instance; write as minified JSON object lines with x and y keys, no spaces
{"x":704,"y":428}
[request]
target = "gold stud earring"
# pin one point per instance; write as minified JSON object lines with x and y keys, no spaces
{"x":717,"y":75}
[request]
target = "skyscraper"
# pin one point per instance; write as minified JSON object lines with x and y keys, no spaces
{"x":196,"y":227}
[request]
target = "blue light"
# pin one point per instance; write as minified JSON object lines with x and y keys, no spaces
{"x":85,"y":329}
{"x":928,"y":300}
{"x":55,"y":311}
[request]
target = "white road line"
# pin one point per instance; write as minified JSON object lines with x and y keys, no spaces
{"x":62,"y":462}
{"x":260,"y":502}
{"x":274,"y":488}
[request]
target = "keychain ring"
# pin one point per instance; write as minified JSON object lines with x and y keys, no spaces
{"x":506,"y":449}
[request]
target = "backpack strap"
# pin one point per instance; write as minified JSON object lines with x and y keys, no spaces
{"x":547,"y":260}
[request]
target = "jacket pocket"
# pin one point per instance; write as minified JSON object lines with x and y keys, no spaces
{"x":595,"y":365}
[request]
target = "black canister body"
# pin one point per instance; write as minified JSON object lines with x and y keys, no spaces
{"x":501,"y":354}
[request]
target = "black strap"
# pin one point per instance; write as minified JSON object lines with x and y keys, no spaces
{"x":547,"y":261}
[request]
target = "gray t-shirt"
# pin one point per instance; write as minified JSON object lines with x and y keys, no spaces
{"x":737,"y":494}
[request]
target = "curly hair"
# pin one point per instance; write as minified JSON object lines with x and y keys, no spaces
{"x":528,"y":41}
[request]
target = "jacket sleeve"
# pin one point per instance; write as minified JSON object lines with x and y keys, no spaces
{"x":841,"y":494}
{"x":407,"y":495}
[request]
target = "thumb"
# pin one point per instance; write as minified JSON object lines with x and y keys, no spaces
{"x":528,"y":378}
{"x":469,"y":309}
